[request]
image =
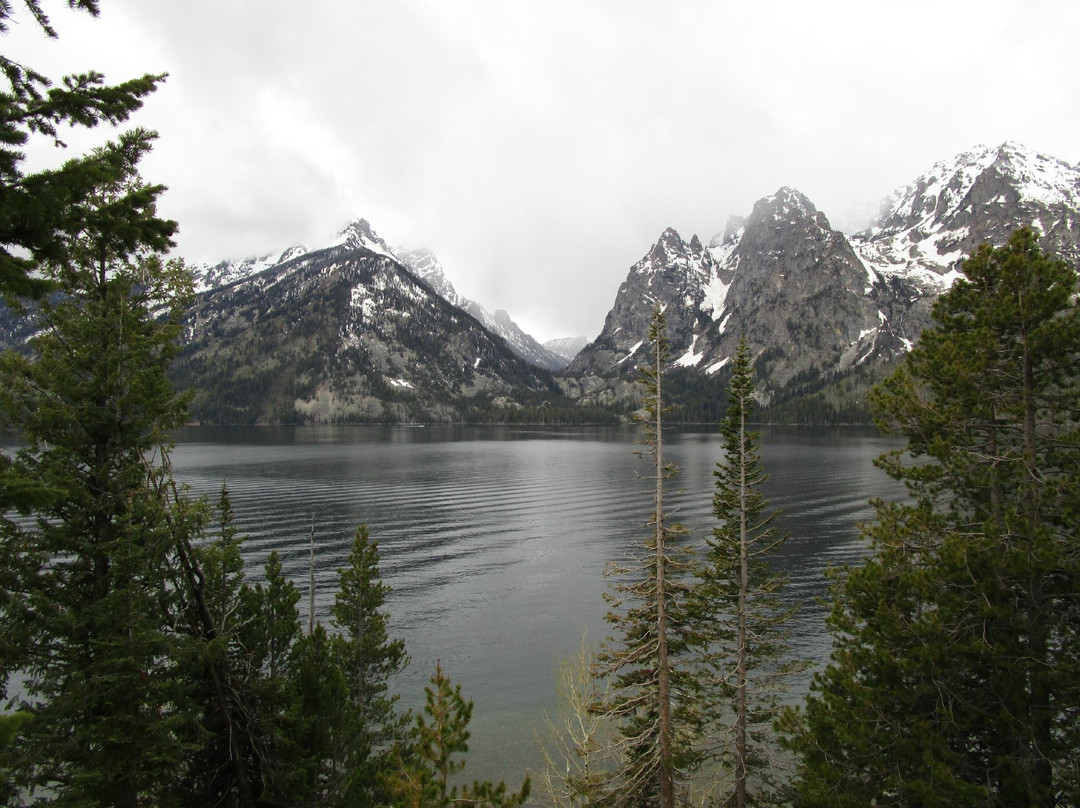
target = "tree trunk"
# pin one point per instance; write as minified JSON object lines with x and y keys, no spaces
{"x":667,"y":775}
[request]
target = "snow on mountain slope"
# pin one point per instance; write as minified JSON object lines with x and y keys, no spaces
{"x":566,"y":347}
{"x":228,"y":272}
{"x":425,"y":265}
{"x":926,"y":228}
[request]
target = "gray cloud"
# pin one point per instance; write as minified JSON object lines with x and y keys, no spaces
{"x":540,"y":148}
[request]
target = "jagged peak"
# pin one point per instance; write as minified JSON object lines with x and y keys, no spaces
{"x":289,"y":253}
{"x":787,"y":206}
{"x":668,"y":248}
{"x":793,"y":201}
{"x":787,"y":203}
{"x":936,"y":193}
{"x":670,"y":236}
{"x":359,"y":234}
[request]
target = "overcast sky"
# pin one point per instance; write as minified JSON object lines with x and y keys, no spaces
{"x":540,"y":148}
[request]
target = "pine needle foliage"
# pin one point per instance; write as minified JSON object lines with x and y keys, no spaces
{"x":44,"y":214}
{"x":955,"y":675}
{"x":423,"y":771}
{"x":744,"y":621}
{"x":651,"y":687}
{"x":368,"y":658}
{"x":88,"y":540}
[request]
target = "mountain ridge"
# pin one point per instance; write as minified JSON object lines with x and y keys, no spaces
{"x":815,"y":304}
{"x":357,"y":331}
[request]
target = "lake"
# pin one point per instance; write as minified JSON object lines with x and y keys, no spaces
{"x":495,"y":540}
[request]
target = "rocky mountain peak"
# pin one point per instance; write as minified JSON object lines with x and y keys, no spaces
{"x":360,"y":235}
{"x":778,"y":219}
{"x":788,"y":206}
{"x":425,"y":265}
{"x":927,"y":227}
{"x":668,"y":249}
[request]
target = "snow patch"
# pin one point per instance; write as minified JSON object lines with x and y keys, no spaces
{"x":690,"y":358}
{"x":711,"y":369}
{"x":632,"y":352}
{"x":361,"y":298}
{"x":715,"y":295}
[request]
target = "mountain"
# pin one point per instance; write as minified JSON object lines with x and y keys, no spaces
{"x":784,"y":277}
{"x":359,"y":331}
{"x":344,"y":333}
{"x":426,"y":266}
{"x":824,"y":314}
{"x":927,"y":227}
{"x":566,"y":348}
{"x":227,"y":272}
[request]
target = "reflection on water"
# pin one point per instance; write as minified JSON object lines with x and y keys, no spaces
{"x":495,"y":539}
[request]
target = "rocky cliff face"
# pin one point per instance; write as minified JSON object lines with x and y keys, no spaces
{"x":784,"y":278}
{"x":815,"y":305}
{"x":927,"y":227}
{"x":682,"y":276}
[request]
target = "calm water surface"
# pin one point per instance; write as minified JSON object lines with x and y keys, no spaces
{"x":495,"y":539}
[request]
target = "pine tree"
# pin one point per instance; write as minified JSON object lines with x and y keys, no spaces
{"x":86,"y":612}
{"x":368,"y":658}
{"x":955,"y":676}
{"x":652,"y":691}
{"x":423,"y":772}
{"x":742,"y":618}
{"x":240,"y":673}
{"x":43,"y":214}
{"x":317,"y":723}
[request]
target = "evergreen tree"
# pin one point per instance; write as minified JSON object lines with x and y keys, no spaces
{"x":742,"y":618}
{"x":317,"y":723}
{"x":955,"y":676}
{"x":86,"y":609}
{"x":423,"y":771}
{"x":240,"y":673}
{"x":652,"y":690}
{"x":44,"y":214}
{"x":368,"y":658}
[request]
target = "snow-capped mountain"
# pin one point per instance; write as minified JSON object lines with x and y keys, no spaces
{"x":423,"y":263}
{"x":927,"y":227}
{"x":344,"y":333}
{"x":784,"y":277}
{"x":226,"y":272}
{"x":566,"y":348}
{"x":427,"y":266}
{"x":816,"y":306}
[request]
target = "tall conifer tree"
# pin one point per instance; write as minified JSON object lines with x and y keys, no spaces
{"x":86,"y":605}
{"x":368,"y":658}
{"x":955,"y":676}
{"x":744,"y":637}
{"x":652,"y":688}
